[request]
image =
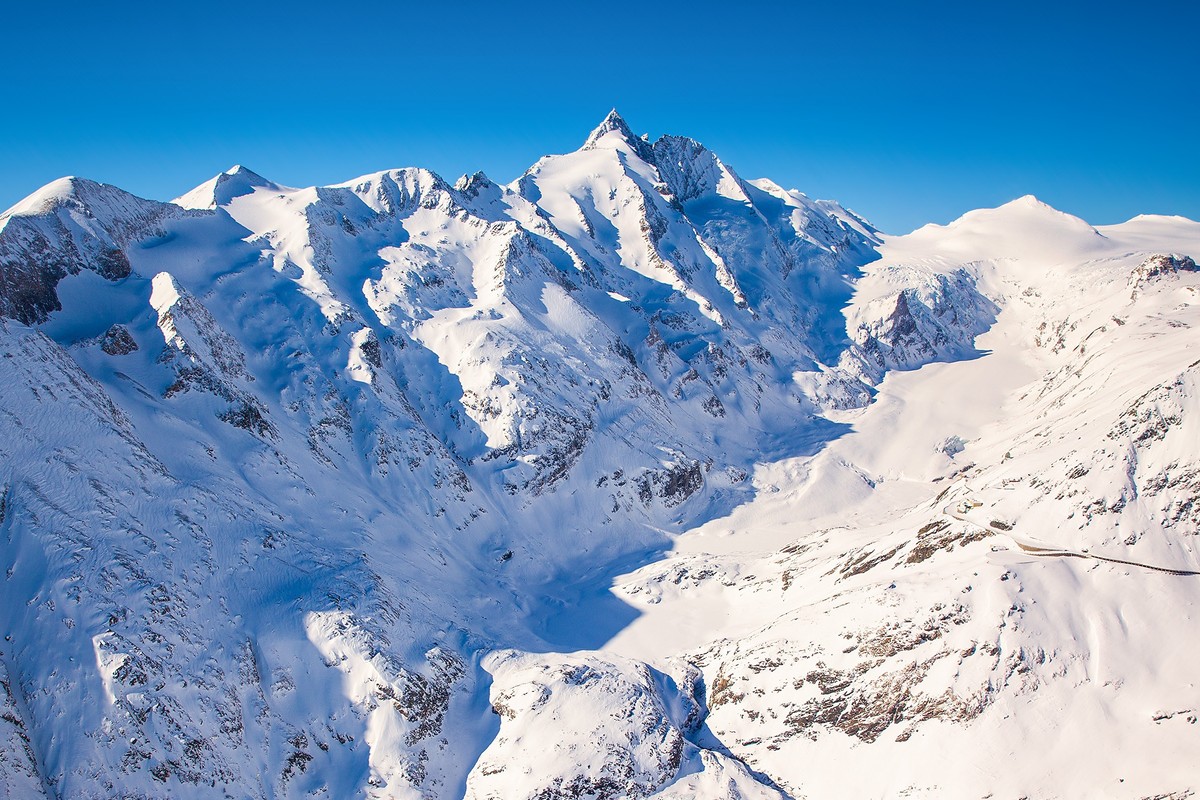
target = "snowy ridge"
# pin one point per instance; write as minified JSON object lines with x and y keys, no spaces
{"x":631,"y":478}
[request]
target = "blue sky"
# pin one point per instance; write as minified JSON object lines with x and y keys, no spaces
{"x":907,"y":112}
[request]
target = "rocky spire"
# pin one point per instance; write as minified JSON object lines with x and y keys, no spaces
{"x":614,"y":122}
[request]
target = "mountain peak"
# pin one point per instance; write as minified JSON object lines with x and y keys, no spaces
{"x":472,"y":185}
{"x":1028,"y":207}
{"x":614,"y":123}
{"x":100,"y":200}
{"x":1029,"y":201}
{"x":51,"y":195}
{"x":237,"y":170}
{"x":222,"y":188}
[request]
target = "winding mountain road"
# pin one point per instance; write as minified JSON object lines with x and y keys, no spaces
{"x":1037,"y":550}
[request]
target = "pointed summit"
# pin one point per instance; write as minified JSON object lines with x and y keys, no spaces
{"x":472,"y":185}
{"x":221,"y":189}
{"x":613,"y":132}
{"x":612,"y":122}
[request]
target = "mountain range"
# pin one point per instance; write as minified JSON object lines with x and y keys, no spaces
{"x":631,"y":478}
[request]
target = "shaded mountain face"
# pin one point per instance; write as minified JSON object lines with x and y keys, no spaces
{"x":324,"y":491}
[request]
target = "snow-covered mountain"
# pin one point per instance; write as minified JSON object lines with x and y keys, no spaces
{"x":631,"y":478}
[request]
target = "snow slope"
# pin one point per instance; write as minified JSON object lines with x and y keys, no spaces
{"x":853,"y":615}
{"x":630,"y":478}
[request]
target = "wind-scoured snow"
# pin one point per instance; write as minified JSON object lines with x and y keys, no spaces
{"x":630,"y":478}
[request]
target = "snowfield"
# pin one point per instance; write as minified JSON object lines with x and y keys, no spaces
{"x":629,"y":479}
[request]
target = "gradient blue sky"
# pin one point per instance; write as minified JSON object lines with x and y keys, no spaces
{"x":907,"y":112}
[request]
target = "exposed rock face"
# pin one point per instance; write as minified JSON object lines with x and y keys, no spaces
{"x":937,"y":320}
{"x":19,"y":776}
{"x":1157,"y":266}
{"x":117,"y":341}
{"x":69,"y":226}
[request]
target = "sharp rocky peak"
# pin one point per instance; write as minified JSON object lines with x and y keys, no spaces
{"x":615,"y":123}
{"x":471,"y":186}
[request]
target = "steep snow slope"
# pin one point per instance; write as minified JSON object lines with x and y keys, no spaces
{"x":322,"y":491}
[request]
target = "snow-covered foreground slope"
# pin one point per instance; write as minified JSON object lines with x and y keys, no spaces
{"x":632,"y":478}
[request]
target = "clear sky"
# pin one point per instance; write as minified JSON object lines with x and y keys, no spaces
{"x":907,"y":112}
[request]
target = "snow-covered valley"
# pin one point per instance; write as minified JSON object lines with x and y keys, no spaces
{"x":631,"y":478}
